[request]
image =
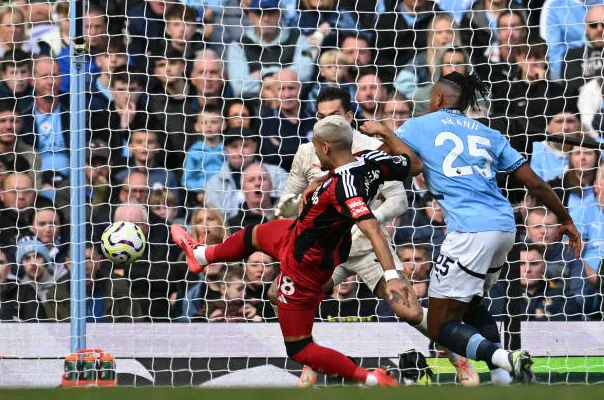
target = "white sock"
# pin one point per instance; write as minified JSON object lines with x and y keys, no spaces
{"x":500,"y":377}
{"x":371,"y":380}
{"x":200,"y":254}
{"x":500,"y":358}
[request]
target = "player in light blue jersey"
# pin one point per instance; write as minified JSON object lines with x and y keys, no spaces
{"x":461,"y":158}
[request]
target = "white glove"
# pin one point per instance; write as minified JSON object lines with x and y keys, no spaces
{"x":288,"y":206}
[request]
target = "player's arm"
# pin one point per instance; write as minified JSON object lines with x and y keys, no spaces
{"x":543,"y":192}
{"x":395,"y":287}
{"x":297,"y":182}
{"x":393,"y":145}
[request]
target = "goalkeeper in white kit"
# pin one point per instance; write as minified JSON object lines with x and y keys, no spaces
{"x":362,"y":261}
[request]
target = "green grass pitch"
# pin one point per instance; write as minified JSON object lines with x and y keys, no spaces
{"x":535,"y":392}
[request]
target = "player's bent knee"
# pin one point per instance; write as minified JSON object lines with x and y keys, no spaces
{"x":293,"y":348}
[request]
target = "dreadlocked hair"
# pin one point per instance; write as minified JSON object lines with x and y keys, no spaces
{"x":468,"y":86}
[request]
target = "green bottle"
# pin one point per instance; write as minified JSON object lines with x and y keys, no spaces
{"x":71,"y":368}
{"x":107,"y":371}
{"x":89,"y":368}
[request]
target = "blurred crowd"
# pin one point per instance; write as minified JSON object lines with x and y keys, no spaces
{"x":194,"y":112}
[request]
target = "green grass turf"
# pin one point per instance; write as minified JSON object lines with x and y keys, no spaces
{"x":536,"y":392}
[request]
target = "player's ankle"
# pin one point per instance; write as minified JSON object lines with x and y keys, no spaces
{"x":199,"y":252}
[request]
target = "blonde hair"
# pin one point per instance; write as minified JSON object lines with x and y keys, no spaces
{"x":330,"y":57}
{"x":209,"y":208}
{"x":162,"y":197}
{"x":13,"y":12}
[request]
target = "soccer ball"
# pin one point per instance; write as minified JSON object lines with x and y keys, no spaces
{"x":123,"y":242}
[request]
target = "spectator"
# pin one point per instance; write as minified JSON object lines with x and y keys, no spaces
{"x":576,"y":187}
{"x":269,"y":91}
{"x":126,"y":112}
{"x":206,"y":291}
{"x":49,"y":124}
{"x":541,"y":300}
{"x":355,"y":51}
{"x":550,"y":159}
{"x":283,"y":133}
{"x":417,"y":265}
{"x":402,"y":32}
{"x":450,"y":58}
{"x":95,"y":38}
{"x":479,"y":27}
{"x":396,"y":111}
{"x":584,"y":63}
{"x":26,"y":297}
{"x":17,"y":210}
{"x":162,"y":203}
{"x":209,"y":79}
{"x":231,"y":306}
{"x":13,"y":34}
{"x":239,"y":114}
{"x":563,"y":28}
{"x":47,"y":227}
{"x":145,"y":156}
{"x":332,"y":73}
{"x":428,"y":226}
{"x":346,"y":304}
{"x":324,"y":21}
{"x":578,"y":279}
{"x":97,"y":174}
{"x":183,"y":30}
{"x":172,"y":105}
{"x":260,"y":271}
{"x":208,"y":225}
{"x":257,"y":207}
{"x":107,"y":296}
{"x":531,"y":94}
{"x":224,"y":188}
{"x":16,"y":76}
{"x":268,"y":43}
{"x":421,"y":70}
{"x":370,"y":96}
{"x":156,"y":274}
{"x":52,"y":41}
{"x":498,"y":63}
{"x":593,"y":253}
{"x":146,"y":27}
{"x":108,"y":61}
{"x":18,"y":156}
{"x":205,"y":157}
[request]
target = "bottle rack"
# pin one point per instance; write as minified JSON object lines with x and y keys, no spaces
{"x":89,"y":368}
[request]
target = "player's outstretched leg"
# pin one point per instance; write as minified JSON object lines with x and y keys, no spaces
{"x":445,"y":327}
{"x":252,"y":238}
{"x":296,"y":325}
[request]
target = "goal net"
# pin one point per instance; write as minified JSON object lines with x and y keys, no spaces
{"x":194,"y":113}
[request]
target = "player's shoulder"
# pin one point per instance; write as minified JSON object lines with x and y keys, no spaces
{"x":361,"y":142}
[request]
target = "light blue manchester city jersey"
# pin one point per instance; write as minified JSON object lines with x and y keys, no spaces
{"x":461,"y":158}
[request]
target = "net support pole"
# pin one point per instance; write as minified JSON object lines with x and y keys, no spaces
{"x":77,"y":144}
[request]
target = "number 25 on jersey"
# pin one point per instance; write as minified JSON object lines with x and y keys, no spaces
{"x":473,"y":150}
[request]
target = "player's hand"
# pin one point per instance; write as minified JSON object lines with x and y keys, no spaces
{"x":398,"y":292}
{"x":574,"y":237}
{"x":288,"y":205}
{"x":374,"y":128}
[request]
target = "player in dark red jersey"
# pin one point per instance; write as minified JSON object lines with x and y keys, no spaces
{"x":312,"y":245}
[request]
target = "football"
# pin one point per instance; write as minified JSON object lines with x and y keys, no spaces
{"x":123,"y":242}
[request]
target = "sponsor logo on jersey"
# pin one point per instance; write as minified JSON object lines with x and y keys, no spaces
{"x":357,"y":207}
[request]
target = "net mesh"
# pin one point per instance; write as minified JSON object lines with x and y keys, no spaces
{"x":194,"y":112}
